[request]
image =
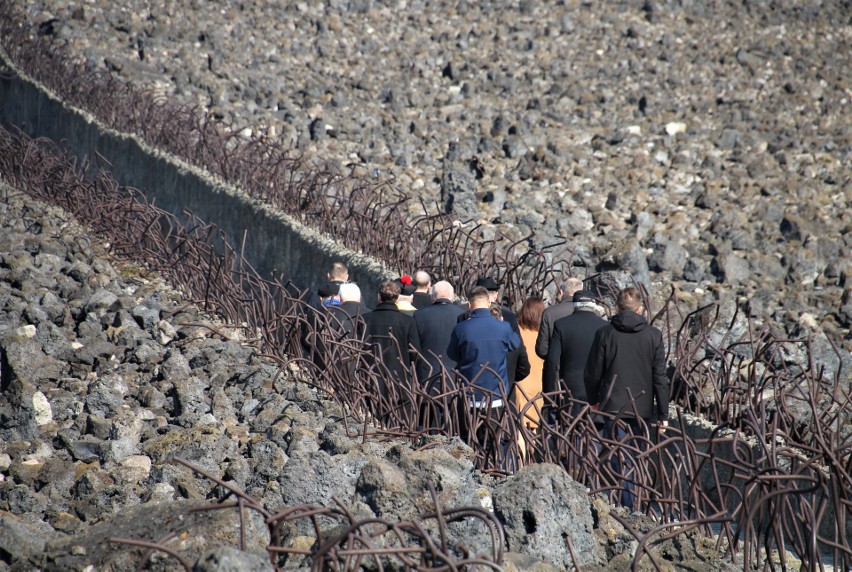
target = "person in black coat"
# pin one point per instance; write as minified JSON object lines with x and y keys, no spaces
{"x":346,"y":317}
{"x":569,"y":348}
{"x":392,"y":335}
{"x":346,"y":326}
{"x":626,"y":375}
{"x":422,"y":283}
{"x":435,"y":325}
{"x":554,"y":313}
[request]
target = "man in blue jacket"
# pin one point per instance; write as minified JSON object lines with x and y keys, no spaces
{"x":479,"y":346}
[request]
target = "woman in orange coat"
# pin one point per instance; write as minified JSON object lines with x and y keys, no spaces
{"x":529,"y":320}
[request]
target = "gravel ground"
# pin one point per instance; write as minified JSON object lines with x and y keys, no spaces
{"x":705,"y":143}
{"x":106,"y":375}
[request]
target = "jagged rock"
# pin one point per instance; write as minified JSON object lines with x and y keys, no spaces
{"x":628,"y":256}
{"x":542,"y":509}
{"x":20,"y":540}
{"x":202,"y":444}
{"x":205,"y":530}
{"x":229,"y":559}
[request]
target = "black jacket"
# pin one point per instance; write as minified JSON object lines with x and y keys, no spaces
{"x":393,"y":336}
{"x":421,"y":300}
{"x":347,"y":319}
{"x":628,"y":358}
{"x":568,"y":352}
{"x":435,"y":325}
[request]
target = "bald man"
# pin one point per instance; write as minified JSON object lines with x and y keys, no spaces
{"x":435,"y":324}
{"x":550,"y":315}
{"x":422,"y":283}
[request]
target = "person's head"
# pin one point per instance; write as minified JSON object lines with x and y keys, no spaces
{"x":349,"y":292}
{"x":570,"y":286}
{"x":339,"y":272}
{"x":478,"y":298}
{"x":328,"y":293}
{"x":630,"y":299}
{"x":389,"y":292}
{"x":422,"y":281}
{"x":443,"y":289}
{"x":529,"y":316}
{"x":406,"y":288}
{"x":490,"y":286}
{"x":496,"y":311}
{"x":585,"y":300}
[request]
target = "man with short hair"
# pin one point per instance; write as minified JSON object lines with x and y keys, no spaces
{"x":421,"y":298}
{"x":339,"y":273}
{"x":479,"y":345}
{"x":493,"y":294}
{"x":626,"y":375}
{"x":392,"y":334}
{"x":517,"y":362}
{"x":555,"y":312}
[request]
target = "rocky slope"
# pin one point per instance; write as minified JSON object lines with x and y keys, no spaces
{"x":705,"y":145}
{"x":106,"y":375}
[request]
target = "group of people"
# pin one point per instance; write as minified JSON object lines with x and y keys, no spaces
{"x":421,"y":334}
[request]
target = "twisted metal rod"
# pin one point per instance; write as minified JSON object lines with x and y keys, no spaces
{"x":783,"y":485}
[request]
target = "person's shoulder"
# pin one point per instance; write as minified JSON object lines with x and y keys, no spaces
{"x":559,"y":308}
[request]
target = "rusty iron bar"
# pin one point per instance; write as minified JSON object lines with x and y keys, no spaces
{"x":411,"y":542}
{"x":776,"y":492}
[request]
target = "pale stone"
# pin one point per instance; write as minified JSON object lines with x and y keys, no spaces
{"x":28,"y":331}
{"x":162,"y":492}
{"x":42,"y":409}
{"x":137,"y":462}
{"x":809,"y":321}
{"x":675,"y":127}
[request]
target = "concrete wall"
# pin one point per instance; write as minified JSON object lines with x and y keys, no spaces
{"x":698,"y":430}
{"x":274,"y":241}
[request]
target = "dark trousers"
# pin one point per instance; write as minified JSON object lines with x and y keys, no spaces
{"x":486,"y":422}
{"x":623,"y":462}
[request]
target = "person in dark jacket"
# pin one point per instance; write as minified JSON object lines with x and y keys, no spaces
{"x":435,"y":325}
{"x":479,"y":346}
{"x":346,"y":327}
{"x":518,"y":364}
{"x":422,"y":283}
{"x":626,"y":375}
{"x":347,"y":315}
{"x":517,"y":361}
{"x":569,"y":348}
{"x":435,"y":373}
{"x":392,"y":335}
{"x":554,"y":313}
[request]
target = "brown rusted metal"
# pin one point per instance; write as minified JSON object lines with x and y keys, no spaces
{"x":780,"y":484}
